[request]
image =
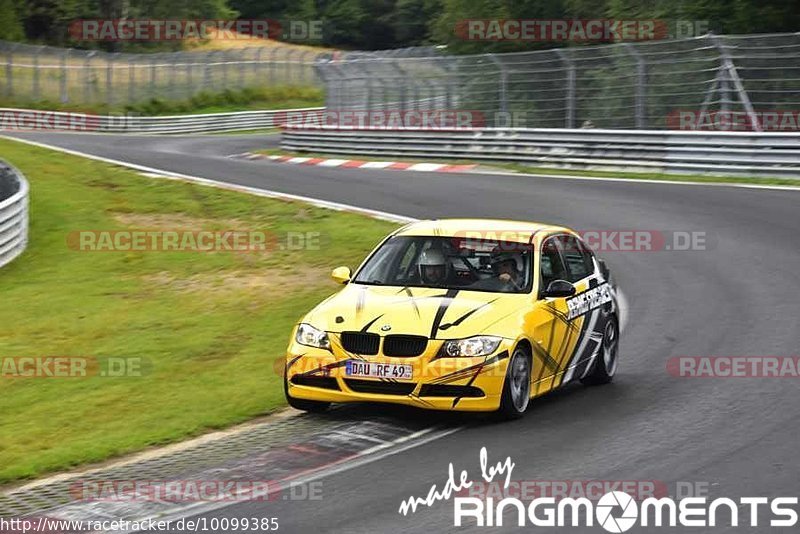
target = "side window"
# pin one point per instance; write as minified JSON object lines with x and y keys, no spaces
{"x":552,"y":265}
{"x":577,"y":257}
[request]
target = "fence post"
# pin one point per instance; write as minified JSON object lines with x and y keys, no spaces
{"x":503,"y":83}
{"x":9,"y":69}
{"x":171,"y":67}
{"x":110,"y":78}
{"x":640,"y":102}
{"x":207,"y":71}
{"x":63,"y":82}
{"x":224,"y":70}
{"x":240,"y":60}
{"x":570,"y":89}
{"x":36,"y":73}
{"x":188,"y":63}
{"x":88,"y":76}
{"x":257,"y":66}
{"x":272,"y":65}
{"x":733,"y":75}
{"x":131,"y":79}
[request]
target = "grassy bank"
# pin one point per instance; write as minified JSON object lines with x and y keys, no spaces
{"x":247,"y":99}
{"x":205,"y":327}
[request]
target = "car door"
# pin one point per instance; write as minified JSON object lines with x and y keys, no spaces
{"x":586,"y":322}
{"x":550,"y":329}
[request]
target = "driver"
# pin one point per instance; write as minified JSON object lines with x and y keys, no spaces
{"x":433,"y":267}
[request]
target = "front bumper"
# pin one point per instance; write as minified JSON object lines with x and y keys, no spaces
{"x":463,"y":384}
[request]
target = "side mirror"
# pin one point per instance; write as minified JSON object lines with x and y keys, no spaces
{"x":559,"y":289}
{"x":341,"y":275}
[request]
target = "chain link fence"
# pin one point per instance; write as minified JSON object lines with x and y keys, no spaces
{"x":35,"y":73}
{"x":643,"y":85}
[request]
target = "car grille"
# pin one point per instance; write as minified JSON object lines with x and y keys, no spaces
{"x":384,"y":388}
{"x":324,"y":382}
{"x":361,"y":343}
{"x":399,"y":345}
{"x":447,"y":390}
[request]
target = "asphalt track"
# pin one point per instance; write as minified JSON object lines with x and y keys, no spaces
{"x":740,"y":436}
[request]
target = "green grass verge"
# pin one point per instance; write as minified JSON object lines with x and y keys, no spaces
{"x":208,"y":325}
{"x":247,"y":99}
{"x":528,"y":169}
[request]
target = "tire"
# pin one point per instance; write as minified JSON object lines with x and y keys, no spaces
{"x":605,"y":366}
{"x":303,"y":404}
{"x":517,"y":386}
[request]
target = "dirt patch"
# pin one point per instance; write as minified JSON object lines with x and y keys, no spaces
{"x":177,"y":221}
{"x":258,"y":282}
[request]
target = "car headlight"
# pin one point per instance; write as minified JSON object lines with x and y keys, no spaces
{"x":471,"y":346}
{"x":311,"y":337}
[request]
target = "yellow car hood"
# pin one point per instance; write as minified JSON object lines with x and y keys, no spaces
{"x":429,"y":312}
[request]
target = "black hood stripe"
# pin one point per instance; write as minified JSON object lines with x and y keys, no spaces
{"x":466,"y":316}
{"x":446,"y":301}
{"x":372,"y":322}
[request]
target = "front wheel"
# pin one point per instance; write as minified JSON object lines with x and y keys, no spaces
{"x":517,"y":386}
{"x":605,"y":365}
{"x":303,"y":404}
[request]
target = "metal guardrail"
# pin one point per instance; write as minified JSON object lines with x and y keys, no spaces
{"x":721,"y":153}
{"x":13,"y":213}
{"x":23,"y":120}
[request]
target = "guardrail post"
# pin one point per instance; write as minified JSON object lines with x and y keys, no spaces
{"x":640,"y":102}
{"x":569,"y":119}
{"x":733,"y":75}
{"x":503,"y":82}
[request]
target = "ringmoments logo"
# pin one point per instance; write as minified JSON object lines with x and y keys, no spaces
{"x":615,"y":511}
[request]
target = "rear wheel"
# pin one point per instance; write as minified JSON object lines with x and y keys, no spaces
{"x":303,"y":404}
{"x":605,"y":365}
{"x":517,"y":386}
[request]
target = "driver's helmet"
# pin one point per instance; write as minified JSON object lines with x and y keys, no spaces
{"x":500,"y":257}
{"x":433,"y":266}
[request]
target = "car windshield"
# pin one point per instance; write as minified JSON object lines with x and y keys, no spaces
{"x":450,"y":263}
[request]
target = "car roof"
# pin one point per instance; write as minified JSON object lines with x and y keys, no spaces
{"x":499,"y":229}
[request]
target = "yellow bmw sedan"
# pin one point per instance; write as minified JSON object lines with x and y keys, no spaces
{"x":459,"y":314}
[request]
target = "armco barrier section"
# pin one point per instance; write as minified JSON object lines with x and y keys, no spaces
{"x":720,"y":153}
{"x":12,"y":119}
{"x":13,"y":213}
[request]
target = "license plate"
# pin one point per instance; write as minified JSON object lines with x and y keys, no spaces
{"x":378,"y":370}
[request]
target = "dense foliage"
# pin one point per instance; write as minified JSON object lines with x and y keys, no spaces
{"x":379,"y":24}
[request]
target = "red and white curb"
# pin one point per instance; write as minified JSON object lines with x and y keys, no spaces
{"x":359,"y":164}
